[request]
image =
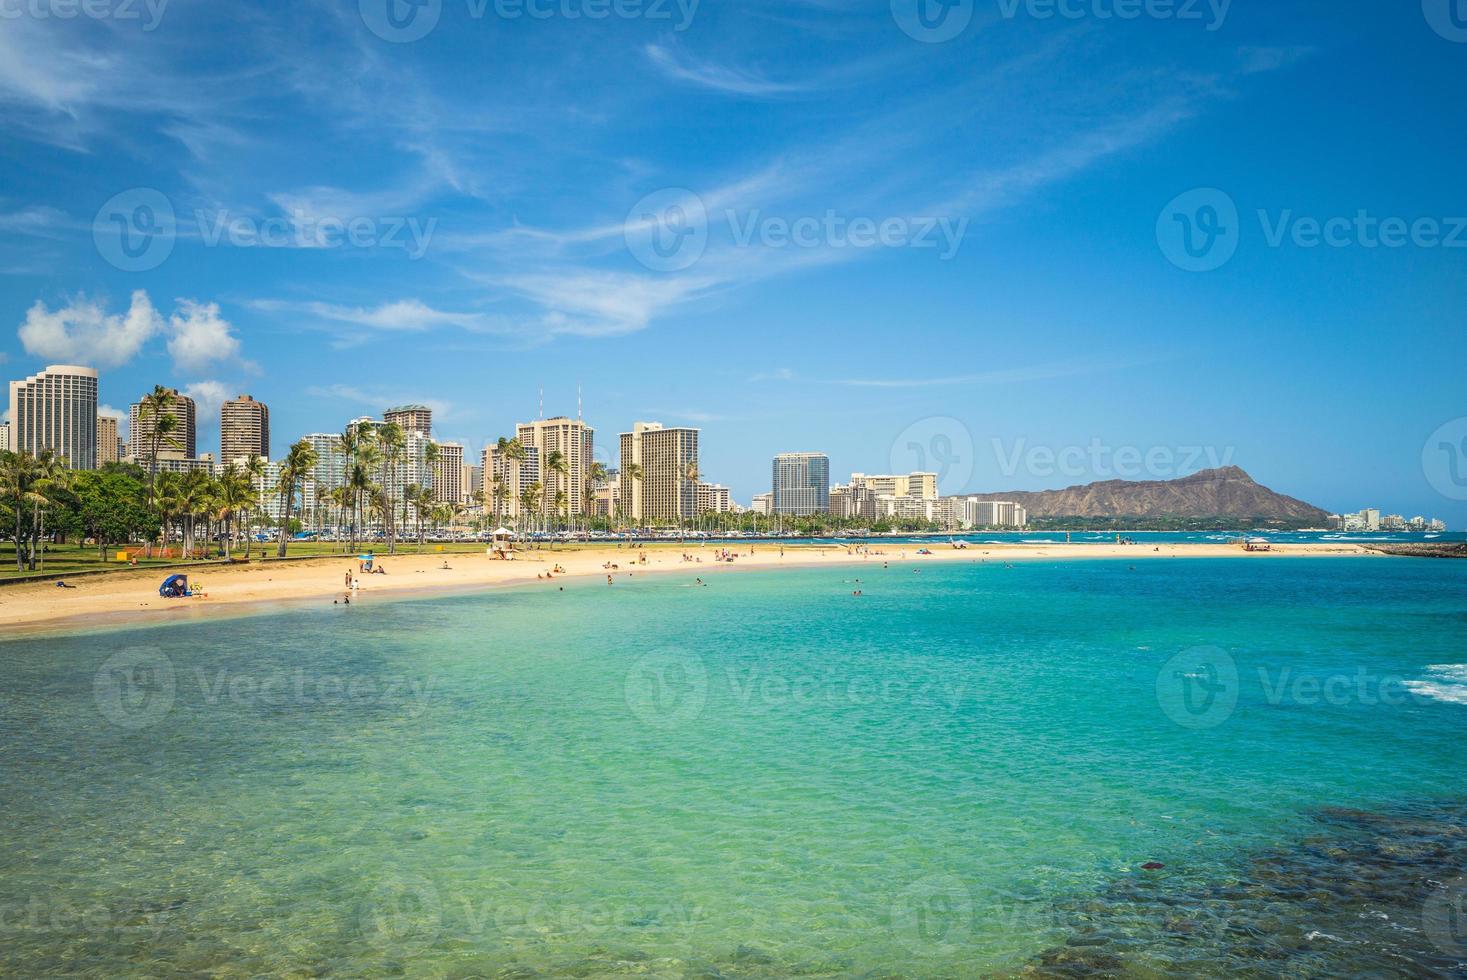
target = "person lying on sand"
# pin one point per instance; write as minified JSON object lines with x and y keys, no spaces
{"x":64,"y":585}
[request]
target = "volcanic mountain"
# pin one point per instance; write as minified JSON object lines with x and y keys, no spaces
{"x":1223,"y":492}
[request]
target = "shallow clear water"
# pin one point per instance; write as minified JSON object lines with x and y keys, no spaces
{"x":957,"y":773}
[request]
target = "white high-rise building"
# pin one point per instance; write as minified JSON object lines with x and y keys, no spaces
{"x":57,"y":410}
{"x":4,"y":436}
{"x":319,"y":510}
{"x":801,"y":483}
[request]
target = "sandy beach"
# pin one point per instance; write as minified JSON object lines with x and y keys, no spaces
{"x":100,"y":602}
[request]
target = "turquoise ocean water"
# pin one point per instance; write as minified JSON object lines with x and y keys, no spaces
{"x":960,"y":772}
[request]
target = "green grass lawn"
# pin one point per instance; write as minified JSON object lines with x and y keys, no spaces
{"x":69,"y":559}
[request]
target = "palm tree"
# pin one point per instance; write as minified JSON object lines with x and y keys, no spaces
{"x":553,"y":469}
{"x":233,"y":495}
{"x":633,"y":472}
{"x":595,"y":474}
{"x":156,"y":418}
{"x":562,"y":507}
{"x":690,"y":473}
{"x":254,"y":471}
{"x":528,"y":497}
{"x":391,"y":443}
{"x":300,"y":461}
{"x":501,"y":494}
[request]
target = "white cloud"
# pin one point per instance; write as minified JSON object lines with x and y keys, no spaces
{"x":209,"y":397}
{"x":719,"y":78}
{"x":83,"y":333}
{"x":198,"y":336}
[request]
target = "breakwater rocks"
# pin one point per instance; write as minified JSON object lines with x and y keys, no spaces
{"x":1368,"y":894}
{"x":1423,"y":549}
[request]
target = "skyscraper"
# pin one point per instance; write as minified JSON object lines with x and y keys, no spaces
{"x":575,"y":441}
{"x":57,"y":410}
{"x":109,"y":447}
{"x":4,"y":436}
{"x":801,"y":483}
{"x":448,"y":473}
{"x":667,"y":487}
{"x":244,"y":429}
{"x":179,"y":444}
{"x":411,"y":418}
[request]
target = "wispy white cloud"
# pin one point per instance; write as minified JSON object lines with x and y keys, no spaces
{"x":680,"y":66}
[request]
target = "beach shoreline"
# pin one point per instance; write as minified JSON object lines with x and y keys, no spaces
{"x":130,"y":598}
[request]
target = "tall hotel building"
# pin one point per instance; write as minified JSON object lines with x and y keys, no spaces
{"x":244,"y":430}
{"x":801,"y":483}
{"x":448,"y":473}
{"x":179,"y":444}
{"x":5,"y":436}
{"x":57,"y":410}
{"x":668,"y":487}
{"x":411,"y":418}
{"x":109,"y":446}
{"x":575,"y":441}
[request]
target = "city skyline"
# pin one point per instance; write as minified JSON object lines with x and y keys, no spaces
{"x":416,"y":422}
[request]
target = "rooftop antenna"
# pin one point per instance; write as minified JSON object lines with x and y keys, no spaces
{"x":578,"y":401}
{"x":542,"y":403}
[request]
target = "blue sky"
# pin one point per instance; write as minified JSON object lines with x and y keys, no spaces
{"x":1028,"y":318}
